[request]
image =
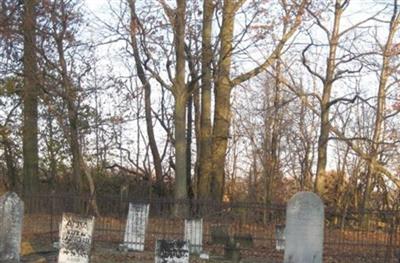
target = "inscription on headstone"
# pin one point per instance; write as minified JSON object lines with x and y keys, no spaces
{"x":194,"y":234}
{"x":172,"y":251}
{"x":304,"y":232}
{"x":75,"y":238}
{"x":136,"y":224}
{"x":11,"y":215}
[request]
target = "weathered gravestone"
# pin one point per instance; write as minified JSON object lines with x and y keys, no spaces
{"x":194,"y":234}
{"x":75,"y":238}
{"x":232,"y":244}
{"x":304,"y":232}
{"x":172,"y":251}
{"x":280,"y":237}
{"x":11,"y":215}
{"x":136,"y":224}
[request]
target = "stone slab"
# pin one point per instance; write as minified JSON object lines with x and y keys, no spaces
{"x":194,"y":234}
{"x":136,"y":225}
{"x":304,"y":232}
{"x":11,"y":217}
{"x":172,"y":251}
{"x":75,"y":238}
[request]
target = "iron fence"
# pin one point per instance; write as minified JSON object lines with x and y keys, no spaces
{"x":253,"y":225}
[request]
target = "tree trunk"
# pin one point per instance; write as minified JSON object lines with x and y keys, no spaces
{"x":322,"y":144}
{"x":305,"y":162}
{"x":224,"y":85}
{"x":272,"y":141}
{"x":30,"y":100}
{"x":180,"y":148}
{"x":10,"y":163}
{"x":197,"y":118}
{"x":380,"y":112}
{"x":189,"y":136}
{"x":222,"y":116}
{"x":180,"y":94}
{"x":205,"y":117}
{"x":147,"y":101}
{"x":52,"y":153}
{"x":323,"y":139}
{"x":69,"y":96}
{"x":74,"y":146}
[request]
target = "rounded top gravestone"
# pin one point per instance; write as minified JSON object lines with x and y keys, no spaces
{"x":304,"y":233}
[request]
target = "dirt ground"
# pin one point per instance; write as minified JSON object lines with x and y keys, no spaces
{"x":113,"y":255}
{"x":109,"y":256}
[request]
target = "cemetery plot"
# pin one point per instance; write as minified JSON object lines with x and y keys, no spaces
{"x":75,"y":238}
{"x":340,"y":245}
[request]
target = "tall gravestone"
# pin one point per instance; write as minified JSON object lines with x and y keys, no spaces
{"x":172,"y":251}
{"x":194,"y":234}
{"x":280,"y":237}
{"x":11,"y":215}
{"x":304,"y":232}
{"x":75,"y":238}
{"x":136,"y":224}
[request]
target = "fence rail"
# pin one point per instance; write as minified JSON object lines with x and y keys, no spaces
{"x":345,"y":239}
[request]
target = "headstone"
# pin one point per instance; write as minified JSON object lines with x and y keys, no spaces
{"x":194,"y":234}
{"x":204,"y":256}
{"x":172,"y":251}
{"x":304,"y":232}
{"x":280,"y":237}
{"x":75,"y":238}
{"x":11,"y":215}
{"x":56,"y":244}
{"x":219,"y":235}
{"x":244,"y":240}
{"x":232,"y":251}
{"x":136,"y":224}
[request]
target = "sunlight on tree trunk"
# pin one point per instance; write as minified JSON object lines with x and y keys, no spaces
{"x":181,"y":96}
{"x":205,"y":116}
{"x":319,"y":186}
{"x":222,"y":116}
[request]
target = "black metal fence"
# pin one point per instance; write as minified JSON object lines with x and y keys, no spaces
{"x":253,"y":225}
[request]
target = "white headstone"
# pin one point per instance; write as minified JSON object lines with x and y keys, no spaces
{"x":194,"y":234}
{"x":172,"y":251}
{"x":11,"y":215}
{"x":280,"y":237}
{"x":75,"y":239}
{"x":136,"y":224}
{"x":304,"y":232}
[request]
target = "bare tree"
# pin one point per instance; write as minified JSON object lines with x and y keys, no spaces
{"x":59,"y":36}
{"x":378,"y":138}
{"x":134,"y":28}
{"x":224,"y":83}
